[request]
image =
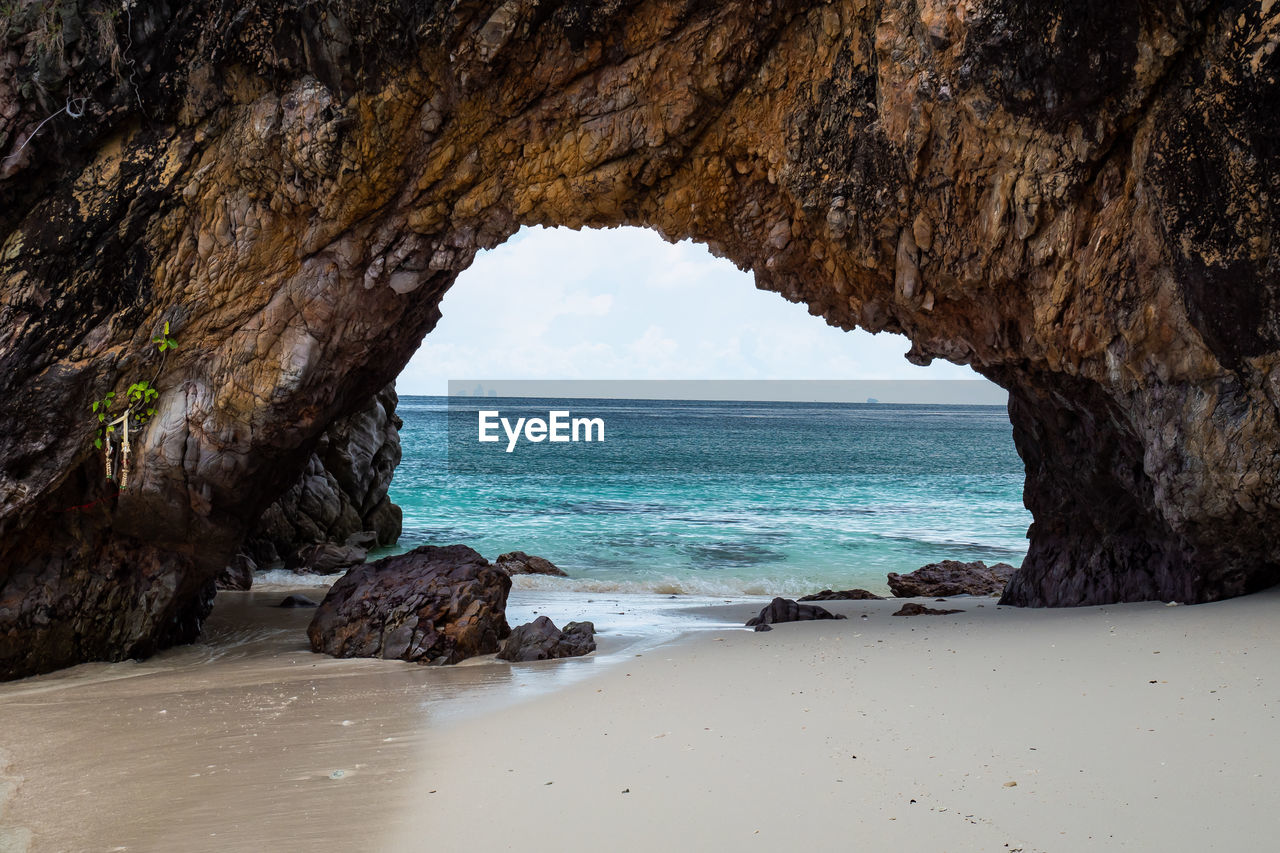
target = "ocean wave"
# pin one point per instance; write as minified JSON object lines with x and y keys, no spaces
{"x":709,"y":586}
{"x":285,"y":578}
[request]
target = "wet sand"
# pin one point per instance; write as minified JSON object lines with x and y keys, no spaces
{"x":1133,"y":727}
{"x":245,"y":741}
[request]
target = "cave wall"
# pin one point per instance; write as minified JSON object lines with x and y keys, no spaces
{"x":1076,"y":201}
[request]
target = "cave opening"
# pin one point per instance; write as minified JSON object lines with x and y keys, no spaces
{"x":930,"y":482}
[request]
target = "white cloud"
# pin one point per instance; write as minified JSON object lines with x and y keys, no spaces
{"x":624,"y":304}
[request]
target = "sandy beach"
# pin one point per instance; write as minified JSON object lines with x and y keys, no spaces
{"x":1131,"y":727}
{"x":1124,"y":727}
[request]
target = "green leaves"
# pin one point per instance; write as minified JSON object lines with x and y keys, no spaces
{"x":141,"y":396}
{"x":102,"y":408}
{"x":141,"y":399}
{"x":163,"y":341}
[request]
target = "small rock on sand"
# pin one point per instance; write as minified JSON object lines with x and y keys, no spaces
{"x":913,"y":609}
{"x":786,"y":610}
{"x":842,"y":595}
{"x":520,"y":563}
{"x":542,"y":640}
{"x":952,"y":577}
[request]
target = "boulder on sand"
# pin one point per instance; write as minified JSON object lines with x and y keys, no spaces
{"x":913,"y":609}
{"x":842,"y":595}
{"x":952,"y":577}
{"x":542,"y":640}
{"x":436,"y":605}
{"x":786,"y":610}
{"x":520,"y":563}
{"x":238,"y":574}
{"x":325,"y":558}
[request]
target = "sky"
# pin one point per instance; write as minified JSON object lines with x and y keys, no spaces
{"x":624,"y":304}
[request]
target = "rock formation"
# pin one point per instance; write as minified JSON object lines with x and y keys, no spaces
{"x":520,"y":563}
{"x":542,"y":640}
{"x":325,"y":559}
{"x":842,"y":595}
{"x":913,"y":609}
{"x":436,"y":605}
{"x":343,"y":489}
{"x":1075,"y":199}
{"x":238,"y":574}
{"x":952,"y":577}
{"x":786,"y":610}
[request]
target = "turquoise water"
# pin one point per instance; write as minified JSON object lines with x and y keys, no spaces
{"x":720,"y":499}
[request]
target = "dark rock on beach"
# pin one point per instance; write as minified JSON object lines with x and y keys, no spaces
{"x":787,"y":610}
{"x":913,"y":609}
{"x":842,"y":595}
{"x":952,"y":577}
{"x":435,"y":605}
{"x":366,"y":539}
{"x":542,"y":640}
{"x":325,"y":559}
{"x":520,"y":563}
{"x":238,"y":574}
{"x":297,"y":601}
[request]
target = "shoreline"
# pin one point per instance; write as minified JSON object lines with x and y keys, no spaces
{"x":720,"y":735}
{"x":247,"y":740}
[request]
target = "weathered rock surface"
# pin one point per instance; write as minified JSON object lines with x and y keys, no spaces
{"x":520,"y":563}
{"x":542,"y":640}
{"x":341,"y":497}
{"x":786,"y":610}
{"x":913,"y":609}
{"x":842,"y":595}
{"x":436,"y":605}
{"x":325,"y":559}
{"x":952,"y":577}
{"x":238,"y":573}
{"x":297,"y":601}
{"x":1078,"y":200}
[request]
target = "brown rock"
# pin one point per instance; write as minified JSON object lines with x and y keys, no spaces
{"x":238,"y":574}
{"x":842,"y":595}
{"x":325,"y":559}
{"x":436,"y":605}
{"x":952,"y":577}
{"x":541,"y":640}
{"x":341,"y":496}
{"x":520,"y":563}
{"x":913,"y":609}
{"x":786,"y":610}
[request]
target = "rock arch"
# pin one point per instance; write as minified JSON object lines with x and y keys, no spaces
{"x":1077,"y":203}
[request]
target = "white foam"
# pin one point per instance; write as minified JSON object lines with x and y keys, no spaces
{"x":284,"y":578}
{"x":713,"y":586}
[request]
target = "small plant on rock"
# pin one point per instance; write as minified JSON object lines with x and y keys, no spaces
{"x":139,"y":408}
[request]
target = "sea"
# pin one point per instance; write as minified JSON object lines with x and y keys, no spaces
{"x":716,"y":499}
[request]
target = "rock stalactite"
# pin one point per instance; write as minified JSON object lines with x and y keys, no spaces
{"x":1076,"y":200}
